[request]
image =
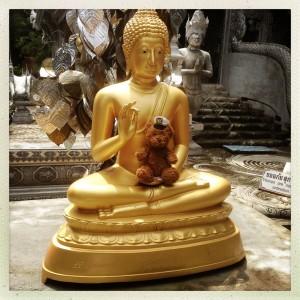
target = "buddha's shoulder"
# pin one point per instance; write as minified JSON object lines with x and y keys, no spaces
{"x":175,"y":91}
{"x":114,"y":89}
{"x":205,"y":53}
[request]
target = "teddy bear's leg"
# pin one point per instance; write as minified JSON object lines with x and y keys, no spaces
{"x":170,"y":175}
{"x":144,"y":174}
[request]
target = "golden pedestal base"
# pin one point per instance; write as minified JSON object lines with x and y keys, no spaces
{"x":90,"y":250}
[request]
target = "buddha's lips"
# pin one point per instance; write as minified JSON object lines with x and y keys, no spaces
{"x":152,"y":68}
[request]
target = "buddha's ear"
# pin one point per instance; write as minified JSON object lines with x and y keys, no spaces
{"x":123,"y":48}
{"x":128,"y":69}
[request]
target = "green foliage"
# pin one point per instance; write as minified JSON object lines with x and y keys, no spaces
{"x":31,"y":45}
{"x":18,"y":70}
{"x":25,"y":41}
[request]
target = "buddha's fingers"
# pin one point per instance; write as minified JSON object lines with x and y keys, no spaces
{"x":126,"y":111}
{"x":132,"y":111}
{"x":134,"y":115}
{"x":123,"y":111}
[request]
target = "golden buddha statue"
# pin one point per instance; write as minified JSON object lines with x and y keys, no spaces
{"x":111,"y":215}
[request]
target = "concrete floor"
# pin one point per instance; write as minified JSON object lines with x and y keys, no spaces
{"x":267,"y":245}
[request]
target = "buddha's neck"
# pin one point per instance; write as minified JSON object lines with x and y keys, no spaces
{"x":144,"y":84}
{"x":192,"y":48}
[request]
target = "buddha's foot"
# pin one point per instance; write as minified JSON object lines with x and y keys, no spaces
{"x":190,"y":183}
{"x":124,"y":211}
{"x":202,"y":182}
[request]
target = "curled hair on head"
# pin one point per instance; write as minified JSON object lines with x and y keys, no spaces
{"x":144,"y":23}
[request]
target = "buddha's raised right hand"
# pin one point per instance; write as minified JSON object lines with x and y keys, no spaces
{"x":127,"y":121}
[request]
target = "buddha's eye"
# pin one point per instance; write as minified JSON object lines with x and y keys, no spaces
{"x":158,"y":51}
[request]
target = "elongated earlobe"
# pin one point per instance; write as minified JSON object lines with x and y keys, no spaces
{"x":127,"y":71}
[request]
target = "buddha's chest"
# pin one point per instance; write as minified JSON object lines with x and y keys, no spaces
{"x":149,"y":105}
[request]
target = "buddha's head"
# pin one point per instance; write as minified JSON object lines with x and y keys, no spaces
{"x":145,"y":43}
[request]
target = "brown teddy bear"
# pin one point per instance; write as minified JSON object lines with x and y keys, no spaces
{"x":156,"y":156}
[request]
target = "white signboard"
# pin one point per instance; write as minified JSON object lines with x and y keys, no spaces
{"x":276,"y":182}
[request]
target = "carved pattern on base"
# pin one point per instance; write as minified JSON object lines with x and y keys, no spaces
{"x":70,"y":237}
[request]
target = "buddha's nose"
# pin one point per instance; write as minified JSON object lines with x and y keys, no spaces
{"x":152,"y":59}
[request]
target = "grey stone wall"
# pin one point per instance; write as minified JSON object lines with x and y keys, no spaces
{"x":258,"y":77}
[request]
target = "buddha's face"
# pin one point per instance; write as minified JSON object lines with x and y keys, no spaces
{"x":196,"y":39}
{"x":147,"y":58}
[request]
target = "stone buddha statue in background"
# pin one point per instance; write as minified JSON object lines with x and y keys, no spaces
{"x":114,"y":218}
{"x":197,"y":63}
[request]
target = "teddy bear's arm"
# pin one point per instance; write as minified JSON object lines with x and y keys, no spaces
{"x":142,"y":153}
{"x":171,"y":157}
